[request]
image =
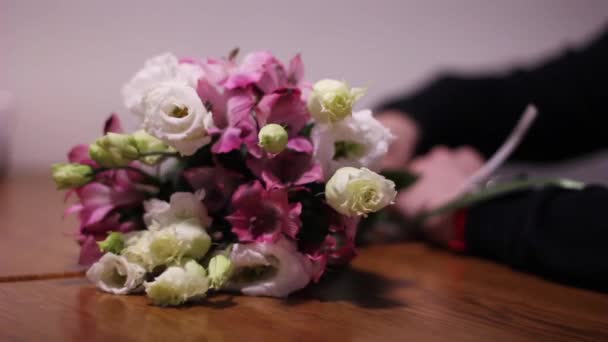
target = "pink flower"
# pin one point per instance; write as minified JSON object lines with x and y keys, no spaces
{"x":98,"y":209}
{"x":264,"y":71}
{"x":215,"y":70}
{"x":263,"y":215}
{"x":232,"y":116}
{"x":288,"y":168}
{"x":338,"y":247}
{"x":219,"y":185}
{"x":284,"y":107}
{"x":261,"y":69}
{"x":97,"y":199}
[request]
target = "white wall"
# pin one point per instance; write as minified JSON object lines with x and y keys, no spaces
{"x":66,"y":60}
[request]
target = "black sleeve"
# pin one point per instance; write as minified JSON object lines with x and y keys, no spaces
{"x":569,"y":91}
{"x":557,"y":233}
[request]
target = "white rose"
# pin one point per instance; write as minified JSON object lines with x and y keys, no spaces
{"x":175,"y":114}
{"x":268,"y":269}
{"x":159,"y":69}
{"x":178,"y":284}
{"x":358,"y":192}
{"x":331,"y":101}
{"x":357,"y":141}
{"x":114,"y":274}
{"x":182,"y":205}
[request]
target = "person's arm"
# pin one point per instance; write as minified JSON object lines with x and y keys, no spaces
{"x":561,"y":234}
{"x":569,"y":92}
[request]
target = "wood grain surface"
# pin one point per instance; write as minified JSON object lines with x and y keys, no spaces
{"x":394,"y":292}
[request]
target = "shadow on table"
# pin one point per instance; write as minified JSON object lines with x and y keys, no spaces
{"x":361,"y":288}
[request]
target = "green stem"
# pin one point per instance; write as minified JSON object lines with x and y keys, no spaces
{"x":489,"y":193}
{"x":160,"y":153}
{"x":148,"y":177}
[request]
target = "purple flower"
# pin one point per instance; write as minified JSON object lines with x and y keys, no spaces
{"x":232,"y":116}
{"x":263,"y":215}
{"x":98,"y":207}
{"x":288,"y":168}
{"x":219,"y":185}
{"x":338,"y":247}
{"x":284,"y":107}
{"x":340,"y":244}
{"x":261,"y":69}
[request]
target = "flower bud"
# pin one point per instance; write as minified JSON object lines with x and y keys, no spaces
{"x":178,"y":284}
{"x":331,"y":101}
{"x":146,"y":144}
{"x":113,"y":243}
{"x":273,"y":138}
{"x":220,"y":268}
{"x":358,"y":192}
{"x":71,"y":175}
{"x":114,"y":150}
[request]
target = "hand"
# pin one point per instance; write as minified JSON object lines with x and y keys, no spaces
{"x":406,"y":134}
{"x":442,"y":173}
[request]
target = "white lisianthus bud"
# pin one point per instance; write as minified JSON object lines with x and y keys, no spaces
{"x":71,"y":175}
{"x":175,"y":114}
{"x":114,"y":243}
{"x":114,"y":274}
{"x":147,"y":144}
{"x":114,"y":150}
{"x":178,"y":284}
{"x":220,"y":269}
{"x":331,"y":101}
{"x":358,"y":192}
{"x":156,"y":70}
{"x":268,"y":269}
{"x":273,"y":138}
{"x":357,"y":141}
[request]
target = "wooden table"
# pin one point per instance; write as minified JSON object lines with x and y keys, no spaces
{"x":397,"y":292}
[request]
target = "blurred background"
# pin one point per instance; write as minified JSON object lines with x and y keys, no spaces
{"x":63,"y":62}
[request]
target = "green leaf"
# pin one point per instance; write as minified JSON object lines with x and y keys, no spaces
{"x":498,"y":190}
{"x":305,"y":132}
{"x":402,"y":179}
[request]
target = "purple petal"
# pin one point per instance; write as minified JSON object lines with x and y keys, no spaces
{"x":89,"y":251}
{"x":80,"y":154}
{"x":300,"y":144}
{"x":112,"y":125}
{"x":295,"y":73}
{"x":239,"y":106}
{"x":314,"y":174}
{"x":211,"y":95}
{"x":217,"y":70}
{"x":96,"y":215}
{"x":229,"y":141}
{"x":284,"y":107}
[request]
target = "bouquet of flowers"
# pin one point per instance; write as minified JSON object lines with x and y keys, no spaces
{"x":244,"y":177}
